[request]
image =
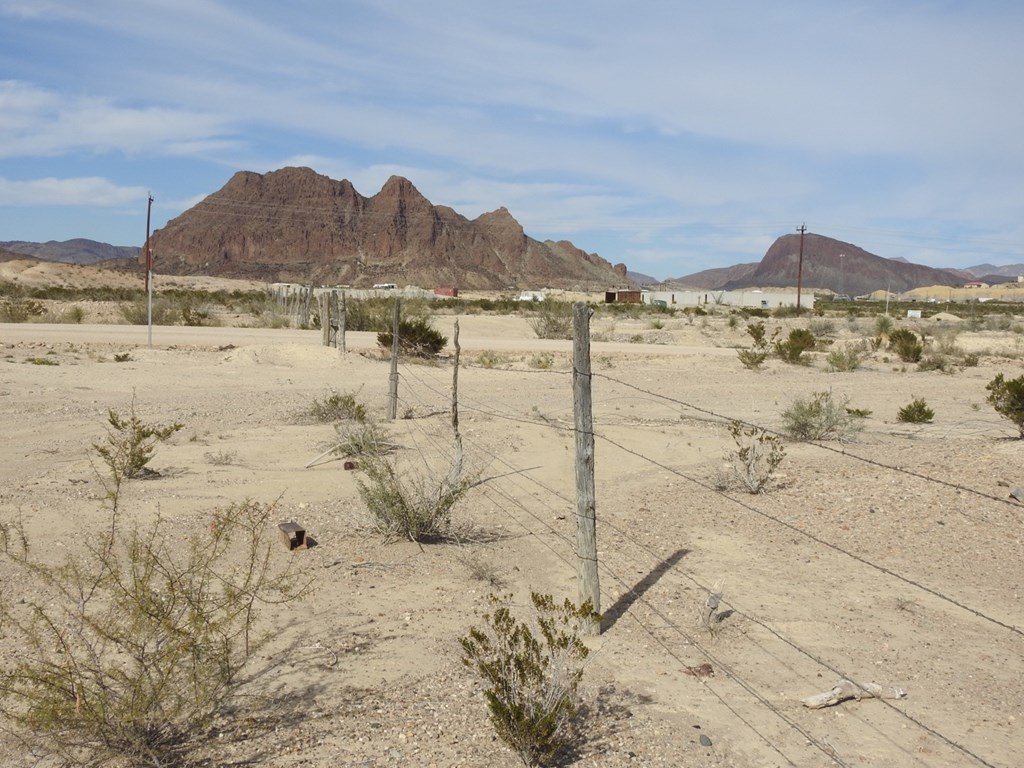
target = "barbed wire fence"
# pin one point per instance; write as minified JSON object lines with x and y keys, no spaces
{"x":530,"y":504}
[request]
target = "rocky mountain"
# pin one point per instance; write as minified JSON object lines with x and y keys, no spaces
{"x":827,"y":264}
{"x":77,"y":251}
{"x":295,"y":225}
{"x":990,"y":273}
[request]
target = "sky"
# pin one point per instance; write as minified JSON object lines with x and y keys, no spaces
{"x":670,"y":135}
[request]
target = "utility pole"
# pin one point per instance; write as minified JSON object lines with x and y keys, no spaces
{"x":149,"y":277}
{"x":800,"y":266}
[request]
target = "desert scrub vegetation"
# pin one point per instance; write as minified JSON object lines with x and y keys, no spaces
{"x":532,"y":671}
{"x":130,"y":443}
{"x":753,"y":357}
{"x":335,"y":406}
{"x":491,"y":359}
{"x":917,"y":411}
{"x":846,"y":358}
{"x":752,"y":463}
{"x":407,"y":505}
{"x":907,"y":345}
{"x":551,"y":320}
{"x":791,"y":349}
{"x":131,"y":649}
{"x":416,"y":337}
{"x":820,"y":417}
{"x":130,"y":653}
{"x":1007,"y":397}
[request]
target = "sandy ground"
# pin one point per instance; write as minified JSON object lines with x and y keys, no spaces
{"x":897,"y":558}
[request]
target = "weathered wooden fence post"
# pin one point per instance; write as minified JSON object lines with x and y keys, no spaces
{"x":341,"y":322}
{"x":324,"y":303}
{"x":586,"y":507}
{"x":393,"y":379}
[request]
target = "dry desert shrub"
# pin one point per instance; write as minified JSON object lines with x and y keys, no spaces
{"x":820,"y":417}
{"x":532,"y":671}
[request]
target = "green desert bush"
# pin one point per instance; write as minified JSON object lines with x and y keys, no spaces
{"x":1007,"y":397}
{"x":416,"y":337}
{"x":532,"y":671}
{"x":916,"y":411}
{"x":820,"y":417}
{"x":792,"y":348}
{"x":130,"y":443}
{"x":906,"y":344}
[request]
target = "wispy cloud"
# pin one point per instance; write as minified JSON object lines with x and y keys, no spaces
{"x":674,"y":128}
{"x":91,"y":191}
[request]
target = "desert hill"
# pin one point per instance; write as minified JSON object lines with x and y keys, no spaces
{"x":80,"y":250}
{"x":827,"y":264}
{"x":300,"y":226}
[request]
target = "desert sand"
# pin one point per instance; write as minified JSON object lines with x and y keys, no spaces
{"x":895,"y":558}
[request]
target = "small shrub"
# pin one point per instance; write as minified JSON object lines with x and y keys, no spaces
{"x":906,"y":344}
{"x":337,"y":406}
{"x":416,"y":337}
{"x":122,"y":357}
{"x":915,"y":412}
{"x":969,"y":360}
{"x":883,"y":325}
{"x":821,"y":326}
{"x":43,"y":361}
{"x":221,"y":458}
{"x":656,"y":325}
{"x":1007,"y":397}
{"x":406,"y":507}
{"x":846,"y":358}
{"x":936,"y":362}
{"x":756,"y":457}
{"x":542,"y":361}
{"x":75,"y":314}
{"x":552,"y":320}
{"x":821,"y":417}
{"x":791,"y":350}
{"x":489,"y":359}
{"x":361,"y":439}
{"x":130,"y":443}
{"x":532,"y":675}
{"x":752,"y":358}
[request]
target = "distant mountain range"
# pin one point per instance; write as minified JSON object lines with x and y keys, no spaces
{"x":836,"y":266}
{"x":296,"y":225}
{"x":77,"y":251}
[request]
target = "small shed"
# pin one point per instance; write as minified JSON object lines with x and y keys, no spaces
{"x":622,"y":297}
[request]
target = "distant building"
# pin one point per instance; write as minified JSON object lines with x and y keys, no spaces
{"x":975,"y":284}
{"x":753,"y":299}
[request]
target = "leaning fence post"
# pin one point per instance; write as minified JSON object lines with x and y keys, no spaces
{"x":586,"y":507}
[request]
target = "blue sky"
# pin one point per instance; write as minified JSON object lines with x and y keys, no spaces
{"x":671,"y":135}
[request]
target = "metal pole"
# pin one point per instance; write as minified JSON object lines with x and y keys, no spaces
{"x":800,"y":267}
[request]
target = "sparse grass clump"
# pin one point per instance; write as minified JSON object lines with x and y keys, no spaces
{"x":820,"y":417}
{"x":490,"y":359}
{"x":43,"y":361}
{"x":542,"y":361}
{"x":532,"y":674}
{"x":915,"y":412}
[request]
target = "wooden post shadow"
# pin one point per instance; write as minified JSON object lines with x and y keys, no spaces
{"x":618,"y":610}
